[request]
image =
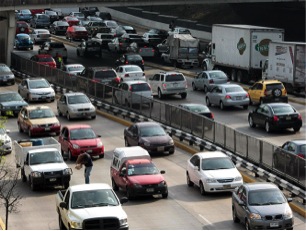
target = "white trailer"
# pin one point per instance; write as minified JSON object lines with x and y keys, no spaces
{"x":287,"y":63}
{"x":240,"y":50}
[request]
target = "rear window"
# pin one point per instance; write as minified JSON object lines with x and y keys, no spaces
{"x":136,"y":68}
{"x":140,"y":87}
{"x":93,"y":44}
{"x":24,"y":25}
{"x":134,"y":58}
{"x":282,"y":109}
{"x":80,"y":28}
{"x":105,"y":74}
{"x":75,"y":68}
{"x":218,"y":75}
{"x":45,"y":59}
{"x":57,"y":45}
{"x":233,"y":89}
{"x":274,"y":86}
{"x":175,"y":77}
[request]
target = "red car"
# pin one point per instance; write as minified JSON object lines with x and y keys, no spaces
{"x":76,"y":33}
{"x":22,"y":27}
{"x":44,"y":59}
{"x":37,"y":11}
{"x":78,"y":138}
{"x":72,"y":20}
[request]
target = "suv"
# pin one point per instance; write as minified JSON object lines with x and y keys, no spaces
{"x":52,"y":48}
{"x":89,"y":48}
{"x":169,"y":83}
{"x":266,"y":91}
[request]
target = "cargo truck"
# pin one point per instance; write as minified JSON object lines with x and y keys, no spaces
{"x":240,"y":50}
{"x":287,"y":63}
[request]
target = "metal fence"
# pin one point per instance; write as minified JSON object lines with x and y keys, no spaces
{"x":259,"y":152}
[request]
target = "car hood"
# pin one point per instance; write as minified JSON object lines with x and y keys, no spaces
{"x":222,"y":173}
{"x":270,"y":209}
{"x":4,"y":137}
{"x":6,"y":73}
{"x":49,"y":167}
{"x":52,"y":120}
{"x":14,"y":103}
{"x":86,"y":142}
{"x":146,"y":179}
{"x":157,"y":139}
{"x":97,"y":212}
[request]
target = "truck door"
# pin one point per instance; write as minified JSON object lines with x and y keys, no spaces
{"x":63,"y":139}
{"x":64,"y":211}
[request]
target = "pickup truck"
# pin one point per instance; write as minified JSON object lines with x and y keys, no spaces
{"x":41,"y":163}
{"x":91,"y":207}
{"x":94,"y":27}
{"x":103,"y":39}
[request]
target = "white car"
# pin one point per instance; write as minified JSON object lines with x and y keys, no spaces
{"x":40,"y":35}
{"x":75,"y":105}
{"x":36,"y":89}
{"x":78,"y":15}
{"x":5,"y":142}
{"x":212,"y":172}
{"x":73,"y":69}
{"x":130,"y":72}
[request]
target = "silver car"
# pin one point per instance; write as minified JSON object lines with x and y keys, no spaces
{"x":40,"y":36}
{"x":225,"y":95}
{"x":73,"y":69}
{"x":75,"y":105}
{"x":7,"y":77}
{"x":261,"y":205}
{"x":205,"y":80}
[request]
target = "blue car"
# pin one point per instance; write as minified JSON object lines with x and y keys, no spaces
{"x":24,"y":15}
{"x":23,"y":41}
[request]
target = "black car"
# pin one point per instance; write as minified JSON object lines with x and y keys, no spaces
{"x":162,"y":33}
{"x":89,"y":11}
{"x":130,"y":58}
{"x":290,"y":158}
{"x":104,"y":15}
{"x":52,"y":15}
{"x":274,"y":116}
{"x":58,"y":27}
{"x":89,"y":48}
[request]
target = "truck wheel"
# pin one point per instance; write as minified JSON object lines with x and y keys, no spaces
{"x":204,"y":66}
{"x":165,"y":195}
{"x":32,"y":185}
{"x":240,"y":77}
{"x":160,"y":94}
{"x":60,"y":223}
{"x":23,"y":176}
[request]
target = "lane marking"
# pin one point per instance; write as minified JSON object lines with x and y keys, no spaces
{"x":207,"y":221}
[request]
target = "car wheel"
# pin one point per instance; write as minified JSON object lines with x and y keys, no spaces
{"x":129,"y":194}
{"x":165,"y":195}
{"x":78,"y":53}
{"x":208,"y":104}
{"x":245,"y":107}
{"x":204,"y":67}
{"x":28,"y":98}
{"x":267,"y":127}
{"x":221,"y":105}
{"x":70,"y":155}
{"x":251,"y":122}
{"x":189,"y":182}
{"x":114,"y":185}
{"x":59,"y":112}
{"x":68,"y":116}
{"x":60,"y":223}
{"x":29,"y":132}
{"x":184,"y":95}
{"x":194,"y":87}
{"x":261,"y":101}
{"x":32,"y":185}
{"x":296,"y":129}
{"x":234,"y":215}
{"x":20,"y":128}
{"x":160,"y":94}
{"x":101,"y":156}
{"x":93,"y":117}
{"x":126,"y":142}
{"x":205,"y":89}
{"x":233,"y":75}
{"x":247,"y":225}
{"x":202,"y":189}
{"x":23,"y":176}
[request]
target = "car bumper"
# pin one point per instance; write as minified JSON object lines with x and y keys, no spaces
{"x":82,"y":114}
{"x":42,"y":98}
{"x":271,"y":224}
{"x":7,"y":81}
{"x":42,"y":130}
{"x":219,"y":187}
{"x":49,"y":180}
{"x":22,"y":46}
{"x":174,"y":91}
{"x":159,"y":149}
{"x":273,"y":99}
{"x":148,"y":190}
{"x":236,"y":102}
{"x":6,"y":149}
{"x":292,"y":124}
{"x":93,"y":151}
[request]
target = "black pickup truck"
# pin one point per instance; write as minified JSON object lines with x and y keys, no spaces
{"x":94,"y":27}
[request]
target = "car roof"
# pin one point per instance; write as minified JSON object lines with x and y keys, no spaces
{"x":33,"y":107}
{"x":101,"y":68}
{"x":171,"y":72}
{"x":76,"y":126}
{"x":30,"y":79}
{"x":22,"y":34}
{"x":73,"y":64}
{"x":125,"y":66}
{"x":88,"y":187}
{"x":43,"y":55}
{"x":259,"y":185}
{"x":138,"y":161}
{"x":269,"y":81}
{"x":278,"y":104}
{"x":228,"y":85}
{"x":206,"y":155}
{"x":192,"y":104}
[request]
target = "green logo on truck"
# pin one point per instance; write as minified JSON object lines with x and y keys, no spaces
{"x":241,"y":46}
{"x":263,"y":47}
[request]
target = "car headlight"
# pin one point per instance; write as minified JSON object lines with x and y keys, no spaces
{"x":7,"y":141}
{"x":92,"y":108}
{"x":254,"y":216}
{"x":76,"y":225}
{"x":34,"y":126}
{"x":211,"y":180}
{"x":11,"y":77}
{"x":137,"y":185}
{"x":162,"y":184}
{"x":146,"y":144}
{"x":75,"y":146}
{"x":73,"y":109}
{"x":67,"y":171}
{"x":171,"y":142}
{"x":288,"y":213}
{"x":57,"y":124}
{"x":36,"y":174}
{"x":100,"y":144}
{"x":238,"y":178}
{"x":123,"y":221}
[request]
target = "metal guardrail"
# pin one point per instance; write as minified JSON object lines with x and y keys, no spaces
{"x":197,"y":130}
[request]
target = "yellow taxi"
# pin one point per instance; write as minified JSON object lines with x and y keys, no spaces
{"x":38,"y":120}
{"x":267,"y":91}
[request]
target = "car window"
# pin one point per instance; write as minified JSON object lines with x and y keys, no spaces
{"x":140,"y":87}
{"x":45,"y":59}
{"x":174,"y":77}
{"x":57,"y":45}
{"x":195,"y":160}
{"x":10,"y":97}
{"x":218,"y":75}
{"x":134,"y":58}
{"x":274,"y":86}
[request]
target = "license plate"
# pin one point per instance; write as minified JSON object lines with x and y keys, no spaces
{"x":52,"y":179}
{"x":47,"y":129}
{"x":238,"y":98}
{"x":4,"y":80}
{"x":84,"y":113}
{"x":89,"y":151}
{"x":226,"y":186}
{"x":288,"y":118}
{"x":274,"y":224}
{"x":160,"y":149}
{"x":150,"y":189}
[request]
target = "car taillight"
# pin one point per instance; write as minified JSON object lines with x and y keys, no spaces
{"x":301,"y":155}
{"x":265,"y":93}
{"x":299,"y":117}
{"x":143,"y":74}
{"x":120,"y":44}
{"x":95,"y":81}
{"x":126,"y":62}
{"x":247,"y":95}
{"x":275,"y":118}
{"x":164,"y":86}
{"x":126,"y":75}
{"x":212,"y":116}
{"x":142,"y":61}
{"x":227,"y":97}
{"x":130,"y":88}
{"x":211,"y":81}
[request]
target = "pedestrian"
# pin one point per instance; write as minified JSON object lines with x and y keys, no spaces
{"x":58,"y":60}
{"x":85,"y":159}
{"x":172,"y":25}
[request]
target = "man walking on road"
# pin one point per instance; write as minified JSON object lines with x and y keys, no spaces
{"x":85,"y":159}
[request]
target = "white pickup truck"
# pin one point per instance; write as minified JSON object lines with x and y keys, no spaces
{"x":91,"y":207}
{"x":41,"y":162}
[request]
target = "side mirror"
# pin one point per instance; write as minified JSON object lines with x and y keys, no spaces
{"x":124,"y":200}
{"x":63,"y":205}
{"x":99,"y":136}
{"x":162,"y":172}
{"x":289,"y":199}
{"x":241,"y":203}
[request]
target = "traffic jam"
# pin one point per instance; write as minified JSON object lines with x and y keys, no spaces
{"x":46,"y":134}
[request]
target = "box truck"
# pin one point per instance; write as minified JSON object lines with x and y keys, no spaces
{"x":240,"y":50}
{"x":287,"y":63}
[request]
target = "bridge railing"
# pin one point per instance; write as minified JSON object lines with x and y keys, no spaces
{"x":258,"y":152}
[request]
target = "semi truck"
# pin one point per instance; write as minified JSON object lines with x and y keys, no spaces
{"x":240,"y":50}
{"x":287,"y":63}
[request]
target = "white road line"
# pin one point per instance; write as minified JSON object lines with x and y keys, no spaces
{"x":207,"y":221}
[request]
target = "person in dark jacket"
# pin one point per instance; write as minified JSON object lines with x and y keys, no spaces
{"x":85,"y":159}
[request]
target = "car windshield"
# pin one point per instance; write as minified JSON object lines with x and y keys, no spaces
{"x":265,"y":197}
{"x":217,"y":163}
{"x":149,"y":131}
{"x":45,"y":157}
{"x":282,"y":109}
{"x":233,"y":89}
{"x":41,"y":113}
{"x":24,"y":25}
{"x":175,"y":77}
{"x":142,"y":169}
{"x":5,"y":69}
{"x":80,"y":28}
{"x":77,"y":99}
{"x":140,"y":87}
{"x":82,"y":133}
{"x":93,"y":198}
{"x":8,"y":97}
{"x":35,"y":84}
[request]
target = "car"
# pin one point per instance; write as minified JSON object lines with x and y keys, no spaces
{"x":130,"y":72}
{"x":130,"y":93}
{"x":290,"y":157}
{"x":101,"y":74}
{"x":6,"y":146}
{"x":261,"y":205}
{"x":144,"y":49}
{"x":118,"y":45}
{"x":168,"y":83}
{"x":205,"y":80}
{"x":75,"y":105}
{"x":267,"y":91}
{"x":40,"y":21}
{"x":149,"y":135}
{"x":130,"y":58}
{"x":36,"y":89}
{"x":89,"y":11}
{"x":152,"y":39}
{"x":212,"y":172}
{"x":94,"y":18}
{"x":53,"y":16}
{"x":73,"y":69}
{"x":89,"y":48}
{"x":54,"y":48}
{"x":58,"y":27}
{"x":76,"y":33}
{"x":22,"y":27}
{"x":275,"y":116}
{"x":80,"y":16}
{"x":37,"y":121}
{"x":198,"y":108}
{"x":23,"y":41}
{"x":162,"y":33}
{"x":78,"y":138}
{"x":179,"y":30}
{"x":111,"y":24}
{"x":44,"y":59}
{"x":24,"y":15}
{"x":225,"y":95}
{"x":7,"y":77}
{"x":40,"y":35}
{"x":162,"y":47}
{"x":104,"y":15}
{"x":11,"y":103}
{"x":72,"y":21}
{"x":122,"y":29}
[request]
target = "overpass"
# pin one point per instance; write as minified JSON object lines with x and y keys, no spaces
{"x":8,"y":7}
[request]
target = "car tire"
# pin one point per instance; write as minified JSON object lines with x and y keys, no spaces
{"x":234,"y":215}
{"x":93,"y":117}
{"x":32,"y":185}
{"x":114,"y":185}
{"x":245,"y":107}
{"x":194,"y":87}
{"x":247,"y":225}
{"x":267,"y":127}
{"x":129,"y":194}
{"x":29,"y":132}
{"x":221,"y":105}
{"x":70,"y":157}
{"x":78,"y":53}
{"x":202,"y":189}
{"x":126,"y":143}
{"x":59,"y":112}
{"x":296,"y":129}
{"x":251,"y":122}
{"x":160,"y":94}
{"x":208,"y":104}
{"x":165,"y":195}
{"x":205,"y":89}
{"x":184,"y":95}
{"x":261,"y":101}
{"x":23,"y":176}
{"x":68,"y":116}
{"x":189,"y":182}
{"x":20,"y":128}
